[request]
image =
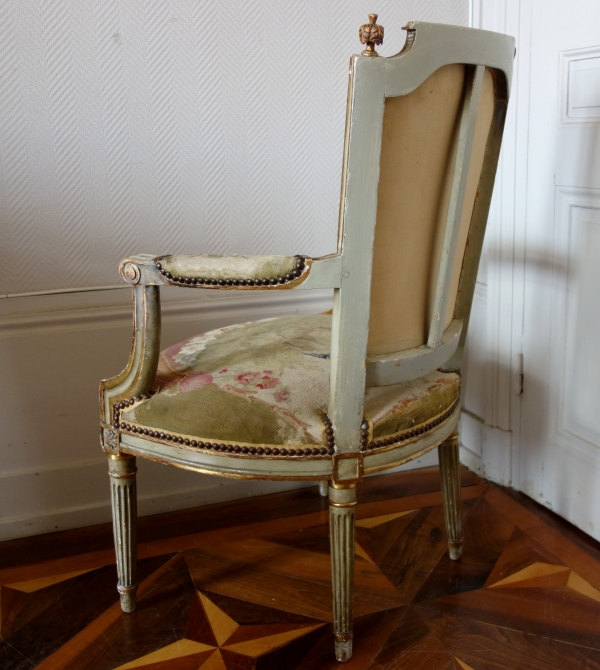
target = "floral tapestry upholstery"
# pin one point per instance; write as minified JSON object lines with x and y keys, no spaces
{"x":267,"y":383}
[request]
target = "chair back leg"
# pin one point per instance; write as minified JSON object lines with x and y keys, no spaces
{"x":324,"y":488}
{"x":122,"y":470}
{"x":450,"y":473}
{"x":342,"y":503}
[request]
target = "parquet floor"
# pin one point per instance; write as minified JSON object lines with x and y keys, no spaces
{"x":246,"y":585}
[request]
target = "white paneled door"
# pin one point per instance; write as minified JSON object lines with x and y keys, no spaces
{"x":558,"y":458}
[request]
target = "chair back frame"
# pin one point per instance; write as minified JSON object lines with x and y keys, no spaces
{"x":428,"y":47}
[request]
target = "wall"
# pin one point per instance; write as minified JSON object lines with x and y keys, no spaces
{"x":490,"y":422}
{"x":160,"y":127}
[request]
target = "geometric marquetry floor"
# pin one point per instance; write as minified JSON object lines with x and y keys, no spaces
{"x":246,"y":585}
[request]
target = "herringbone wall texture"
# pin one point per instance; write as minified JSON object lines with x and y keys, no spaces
{"x":167,"y":126}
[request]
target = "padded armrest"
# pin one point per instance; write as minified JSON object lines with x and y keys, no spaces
{"x":221,"y":272}
{"x":234,"y":272}
{"x":209,"y":269}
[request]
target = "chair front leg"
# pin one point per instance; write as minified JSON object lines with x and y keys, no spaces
{"x":122,"y":470}
{"x":342,"y":503}
{"x":450,"y":474}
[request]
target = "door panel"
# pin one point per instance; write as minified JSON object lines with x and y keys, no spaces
{"x":559,"y":454}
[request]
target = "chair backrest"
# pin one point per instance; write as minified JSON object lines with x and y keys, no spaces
{"x":423,"y":135}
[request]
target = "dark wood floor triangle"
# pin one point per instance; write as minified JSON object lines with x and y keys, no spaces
{"x":311,"y":539}
{"x":520,"y":552}
{"x":248,"y":613}
{"x":555,"y":612}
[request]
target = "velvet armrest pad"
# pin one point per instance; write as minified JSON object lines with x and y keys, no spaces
{"x":229,"y":267}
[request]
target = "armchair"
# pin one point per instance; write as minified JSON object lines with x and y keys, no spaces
{"x":333,"y":398}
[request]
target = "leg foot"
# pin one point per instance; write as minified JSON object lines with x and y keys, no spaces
{"x":449,"y":471}
{"x":122,"y":471}
{"x":342,"y":503}
{"x":343,"y":648}
{"x":128,"y":598}
{"x":455,"y":549}
{"x":324,"y":488}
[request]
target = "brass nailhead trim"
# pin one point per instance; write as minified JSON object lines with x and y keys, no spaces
{"x":204,"y":282}
{"x":329,"y":433}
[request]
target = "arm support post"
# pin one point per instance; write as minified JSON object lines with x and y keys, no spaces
{"x":138,"y":376}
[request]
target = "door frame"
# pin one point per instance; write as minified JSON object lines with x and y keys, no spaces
{"x":490,"y":444}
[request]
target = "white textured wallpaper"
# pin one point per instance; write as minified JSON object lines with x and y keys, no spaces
{"x":165,"y":126}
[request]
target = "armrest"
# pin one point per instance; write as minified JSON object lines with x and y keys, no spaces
{"x":233,"y":272}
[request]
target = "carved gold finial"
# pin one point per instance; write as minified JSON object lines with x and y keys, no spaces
{"x":371,"y":34}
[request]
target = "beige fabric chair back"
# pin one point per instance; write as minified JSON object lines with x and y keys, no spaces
{"x":418,"y":151}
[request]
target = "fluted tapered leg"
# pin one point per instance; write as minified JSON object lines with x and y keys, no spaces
{"x":122,"y":471}
{"x":342,"y":503}
{"x":449,"y":471}
{"x":324,"y":488}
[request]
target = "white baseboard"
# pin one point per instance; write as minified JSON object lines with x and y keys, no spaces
{"x":485,"y":449}
{"x":77,"y":495}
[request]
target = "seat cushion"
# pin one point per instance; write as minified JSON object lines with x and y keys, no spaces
{"x":267,"y":383}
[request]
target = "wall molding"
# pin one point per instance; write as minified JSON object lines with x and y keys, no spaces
{"x":238,"y":307}
{"x":565,"y":73}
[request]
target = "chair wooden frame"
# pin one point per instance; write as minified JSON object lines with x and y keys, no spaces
{"x":428,"y":48}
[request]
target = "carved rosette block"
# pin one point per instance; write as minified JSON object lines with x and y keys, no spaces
{"x":110,"y":439}
{"x":370,"y":34}
{"x":342,"y":504}
{"x":122,"y":470}
{"x":450,"y":474}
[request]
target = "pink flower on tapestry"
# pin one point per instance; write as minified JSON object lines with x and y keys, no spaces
{"x":246,"y":378}
{"x":195,"y":381}
{"x":281,"y":396}
{"x":261,"y":380}
{"x":267,"y":382}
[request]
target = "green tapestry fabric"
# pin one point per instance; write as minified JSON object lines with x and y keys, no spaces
{"x":229,"y":267}
{"x":267,"y":383}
